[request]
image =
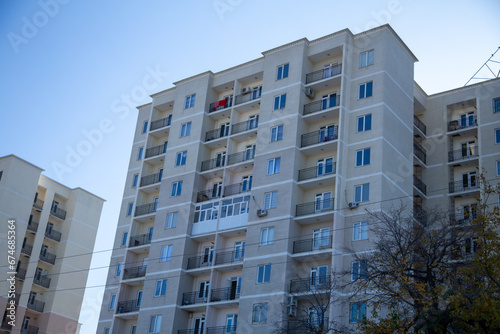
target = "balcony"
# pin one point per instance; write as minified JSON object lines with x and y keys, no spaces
{"x":229,"y":257}
{"x":321,"y":105}
{"x":32,"y":226}
{"x":207,"y":195}
{"x":242,"y":98}
{"x":419,"y":184}
{"x":155,"y":150}
{"x":323,"y":73}
{"x":128,"y":306}
{"x":313,"y":244}
{"x":139,"y":240}
{"x":30,"y":330}
{"x":419,"y":125}
{"x":150,"y":179}
{"x":219,"y":105}
{"x":463,"y":154}
{"x":145,"y":209}
{"x":419,"y":152}
{"x":224,"y":294}
{"x":235,"y":189}
{"x":315,"y":325}
{"x":42,"y":281}
{"x":311,"y":284}
{"x":161,"y":123}
{"x":195,"y":297}
{"x":462,"y":218}
{"x":221,"y":330}
{"x":319,"y":136}
{"x":460,"y":186}
{"x":53,"y":235}
{"x":215,"y":134}
{"x":26,"y":249}
{"x":244,"y":126}
{"x":134,"y":272}
{"x":48,"y":257}
{"x":58,"y":212}
{"x":313,"y":208}
{"x":196,"y":262}
{"x":21,"y":274}
{"x":317,"y":171}
{"x":240,"y":157}
{"x":36,"y":305}
{"x":463,"y":124}
{"x":212,"y":164}
{"x":38,"y":204}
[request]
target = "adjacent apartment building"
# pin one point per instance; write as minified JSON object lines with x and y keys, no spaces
{"x":246,"y":186}
{"x":55,"y":229}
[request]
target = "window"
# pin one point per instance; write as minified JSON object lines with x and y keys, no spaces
{"x":276,"y":133}
{"x":124,"y":239}
{"x":176,"y":189}
{"x":135,"y":180}
{"x":233,"y":207}
{"x":497,"y":136}
{"x":267,"y":236}
{"x":190,"y":101}
{"x":106,"y":330}
{"x":119,"y":267}
{"x":259,"y":314}
{"x":361,"y":193}
{"x":166,"y":253}
{"x":365,"y":123}
{"x":496,"y":105}
{"x":145,"y":127}
{"x":358,"y":312}
{"x":1,"y":172}
{"x":246,"y":183}
{"x":359,"y":270}
{"x":155,"y":324}
{"x":270,"y":200}
{"x":112,"y":302}
{"x":139,"y":155}
{"x":133,"y":329}
{"x":360,"y":231}
{"x":366,"y":58}
{"x":273,"y":166}
{"x":279,"y":102}
{"x":264,"y":273}
{"x":363,"y":157}
{"x":171,"y":220}
{"x":365,"y":90}
{"x":282,"y":72}
{"x":161,"y":287}
{"x":181,"y":158}
{"x":185,"y":129}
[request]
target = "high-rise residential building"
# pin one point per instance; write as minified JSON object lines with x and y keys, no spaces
{"x":47,"y":233}
{"x":245,"y":187}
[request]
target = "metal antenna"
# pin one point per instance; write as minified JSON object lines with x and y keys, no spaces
{"x":486,"y":64}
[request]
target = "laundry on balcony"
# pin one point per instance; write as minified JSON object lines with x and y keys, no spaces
{"x":221,"y":103}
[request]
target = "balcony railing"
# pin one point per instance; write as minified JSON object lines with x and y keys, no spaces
{"x":420,"y":125}
{"x":313,"y":244}
{"x":33,"y":226}
{"x":128,"y":306}
{"x":316,"y":207}
{"x":140,"y":239}
{"x":229,"y":257}
{"x":417,"y":182}
{"x":58,"y":212}
{"x":195,"y":297}
{"x":150,"y":179}
{"x":134,"y":272}
{"x":316,"y":325}
{"x":317,"y":171}
{"x":53,"y":234}
{"x":235,"y":189}
{"x":21,"y":273}
{"x":27,"y":249}
{"x":316,"y":106}
{"x":30,"y":330}
{"x":225,"y":294}
{"x":240,"y":157}
{"x":320,"y":136}
{"x":155,"y":150}
{"x":42,"y":281}
{"x":48,"y":257}
{"x":219,"y":105}
{"x":463,"y":154}
{"x":145,"y":209}
{"x":242,"y":98}
{"x":459,"y":186}
{"x":215,"y":134}
{"x":324,"y":73}
{"x":244,"y":126}
{"x":419,"y":152}
{"x":463,"y":217}
{"x":190,"y":331}
{"x":160,"y":123}
{"x":207,"y":195}
{"x":458,"y":125}
{"x":38,"y":204}
{"x":320,"y":282}
{"x":221,"y":330}
{"x":199,"y":262}
{"x":36,"y":305}
{"x":212,"y":164}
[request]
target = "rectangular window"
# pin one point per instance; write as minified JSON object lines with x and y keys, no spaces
{"x":145,"y":127}
{"x":270,"y":200}
{"x":176,"y":189}
{"x":186,"y":129}
{"x":155,"y":324}
{"x":259,"y":314}
{"x":264,"y":273}
{"x":267,"y":236}
{"x":171,"y":220}
{"x":358,"y":312}
{"x":359,"y":270}
{"x":161,"y":287}
{"x":190,"y":101}
{"x":365,"y":123}
{"x":279,"y":102}
{"x":106,"y":330}
{"x":166,"y":253}
{"x":276,"y":133}
{"x":119,"y":267}
{"x":135,"y":180}
{"x":1,"y":172}
{"x":181,"y":158}
{"x":112,"y":302}
{"x":363,"y":157}
{"x":497,"y":136}
{"x":273,"y":166}
{"x":139,"y":154}
{"x":362,"y":193}
{"x":282,"y":72}
{"x":360,"y":231}
{"x":366,"y":58}
{"x":125,"y":238}
{"x":365,"y":90}
{"x":496,"y":105}
{"x":130,"y":208}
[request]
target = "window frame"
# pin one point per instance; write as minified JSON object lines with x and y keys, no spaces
{"x":140,"y":153}
{"x":130,"y":209}
{"x":155,"y":327}
{"x":282,"y":71}
{"x":112,"y":302}
{"x":277,"y":136}
{"x":364,"y":86}
{"x":173,"y":221}
{"x":266,"y":231}
{"x":275,"y":165}
{"x":190,"y":101}
{"x":180,"y":158}
{"x":497,"y":136}
{"x":359,"y":270}
{"x":365,"y":55}
{"x":124,"y":239}
{"x":361,"y":227}
{"x":166,"y":253}
{"x":261,"y":315}
{"x":263,"y":273}
{"x":145,"y":127}
{"x":279,"y":102}
{"x":365,"y":187}
{"x":358,"y":305}
{"x":185,"y":129}
{"x":496,"y":105}
{"x":162,"y":285}
{"x":119,"y":269}
{"x":272,"y":203}
{"x":176,"y":189}
{"x":365,"y":119}
{"x":363,"y":157}
{"x":135,"y":180}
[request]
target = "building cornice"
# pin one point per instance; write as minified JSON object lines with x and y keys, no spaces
{"x":454,"y":90}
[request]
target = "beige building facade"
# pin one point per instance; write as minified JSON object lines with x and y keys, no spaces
{"x":55,"y":229}
{"x":245,"y":187}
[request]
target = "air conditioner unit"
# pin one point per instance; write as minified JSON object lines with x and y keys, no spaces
{"x":310,"y":93}
{"x":262,"y":212}
{"x":246,"y":90}
{"x":291,"y":311}
{"x":353,"y":205}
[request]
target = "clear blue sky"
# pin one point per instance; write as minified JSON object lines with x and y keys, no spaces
{"x":67,"y":66}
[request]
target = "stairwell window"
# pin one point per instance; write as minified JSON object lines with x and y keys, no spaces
{"x":139,"y":153}
{"x":496,"y":105}
{"x":135,"y":180}
{"x":176,"y":189}
{"x":264,"y":273}
{"x":119,"y":267}
{"x":145,"y":127}
{"x":267,"y":236}
{"x":124,"y":238}
{"x":130,"y":208}
{"x":171,"y":220}
{"x":497,"y":136}
{"x":181,"y":158}
{"x":112,"y":302}
{"x":166,"y":253}
{"x":358,"y":312}
{"x":359,"y":270}
{"x":276,"y":133}
{"x":259,"y":314}
{"x":270,"y":200}
{"x":185,"y":129}
{"x":365,"y":90}
{"x":360,"y":231}
{"x":273,"y":166}
{"x":161,"y":288}
{"x":279,"y":102}
{"x":155,"y":324}
{"x":282,"y":72}
{"x":190,"y":99}
{"x":365,"y":123}
{"x":362,"y":193}
{"x":366,"y":58}
{"x":363,"y":157}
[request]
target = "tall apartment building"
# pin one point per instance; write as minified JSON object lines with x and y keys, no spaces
{"x":246,"y":186}
{"x":55,"y":229}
